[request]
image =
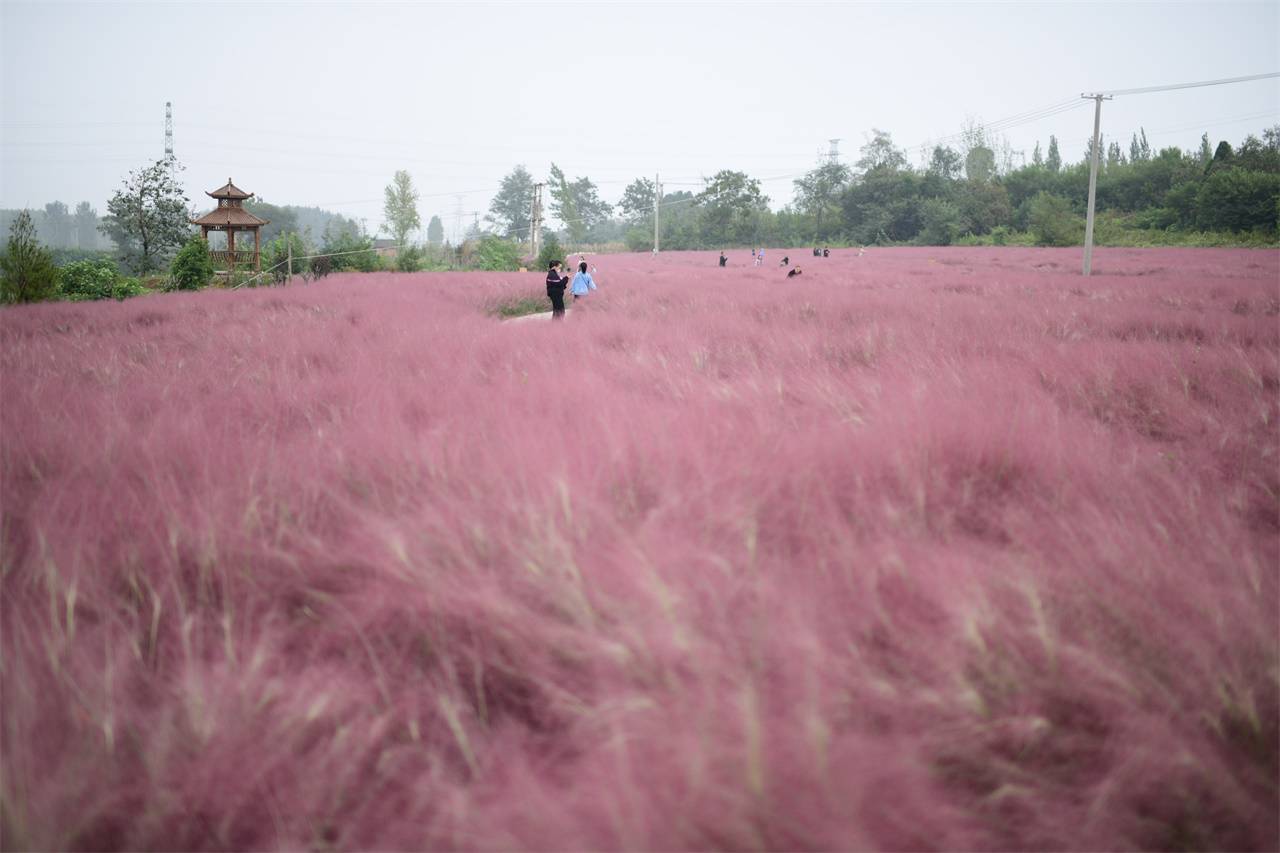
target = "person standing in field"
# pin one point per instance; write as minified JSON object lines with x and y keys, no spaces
{"x":760,"y":257}
{"x":583,"y":283}
{"x":723,"y":259}
{"x":753,"y":255}
{"x":555,"y":290}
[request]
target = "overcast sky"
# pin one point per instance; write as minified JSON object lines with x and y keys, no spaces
{"x":319,"y":103}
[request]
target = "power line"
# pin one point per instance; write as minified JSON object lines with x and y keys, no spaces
{"x":1172,"y":86}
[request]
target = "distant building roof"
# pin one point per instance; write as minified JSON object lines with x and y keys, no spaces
{"x":230,"y":190}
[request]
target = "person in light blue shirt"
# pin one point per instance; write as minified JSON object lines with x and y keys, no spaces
{"x":583,"y":283}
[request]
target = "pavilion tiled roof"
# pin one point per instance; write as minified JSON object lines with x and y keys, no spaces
{"x":230,"y":190}
{"x":227,"y":216}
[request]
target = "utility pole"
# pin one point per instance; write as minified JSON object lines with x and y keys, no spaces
{"x":834,"y":154}
{"x":289,"y":243}
{"x":657,"y":203}
{"x":1098,"y":98}
{"x":535,"y":220}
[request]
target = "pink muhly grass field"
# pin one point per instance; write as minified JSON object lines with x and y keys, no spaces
{"x":929,"y":548}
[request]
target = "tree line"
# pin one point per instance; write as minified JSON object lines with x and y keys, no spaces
{"x":970,"y":193}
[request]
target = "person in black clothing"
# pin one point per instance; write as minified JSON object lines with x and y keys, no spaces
{"x":786,"y":261}
{"x":555,"y":290}
{"x":816,"y":252}
{"x":792,"y":273}
{"x":826,"y":253}
{"x":723,"y":259}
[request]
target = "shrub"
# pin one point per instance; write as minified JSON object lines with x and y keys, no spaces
{"x":941,"y":222}
{"x":126,"y":288}
{"x":321,"y":266}
{"x":350,"y":251}
{"x":192,"y":268}
{"x":1051,"y":221}
{"x":275,"y":255}
{"x":1238,"y":200}
{"x":497,"y":254}
{"x":27,"y":271}
{"x":551,"y":251}
{"x":86,"y":280}
{"x":409,"y":259}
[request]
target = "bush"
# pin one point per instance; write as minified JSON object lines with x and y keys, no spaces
{"x":321,"y":266}
{"x":551,"y":251}
{"x":126,"y":288}
{"x":192,"y":268}
{"x":941,"y":221}
{"x":497,"y":254}
{"x":1238,"y":200}
{"x":86,"y":280}
{"x":275,"y":256}
{"x":1051,"y":221}
{"x":409,"y":260}
{"x":638,"y":240}
{"x":27,"y":271}
{"x":350,"y":251}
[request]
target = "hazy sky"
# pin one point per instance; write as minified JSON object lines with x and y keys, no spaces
{"x":319,"y":103}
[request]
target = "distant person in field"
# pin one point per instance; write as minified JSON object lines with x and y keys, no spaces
{"x":753,"y":254}
{"x":785,"y":260}
{"x":555,"y":290}
{"x":583,"y":283}
{"x":792,"y":273}
{"x":760,"y":258}
{"x":826,"y":253}
{"x":817,"y":253}
{"x":723,"y":259}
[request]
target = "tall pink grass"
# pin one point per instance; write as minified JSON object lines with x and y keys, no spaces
{"x":926,"y":549}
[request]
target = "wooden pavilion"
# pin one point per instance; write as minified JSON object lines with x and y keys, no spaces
{"x":230,"y":216}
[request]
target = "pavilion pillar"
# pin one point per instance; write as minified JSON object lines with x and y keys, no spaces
{"x":231,"y":248}
{"x":257,"y":250}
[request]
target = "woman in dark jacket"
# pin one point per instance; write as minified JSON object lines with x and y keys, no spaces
{"x":555,"y":290}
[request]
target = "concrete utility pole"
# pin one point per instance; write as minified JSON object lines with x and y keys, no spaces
{"x":1093,"y":178}
{"x":657,"y":203}
{"x":535,"y":219}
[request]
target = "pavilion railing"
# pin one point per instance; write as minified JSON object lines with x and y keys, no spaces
{"x":240,"y":258}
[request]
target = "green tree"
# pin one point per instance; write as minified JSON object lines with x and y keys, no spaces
{"x":1053,"y":159}
{"x":192,"y":268}
{"x":563,"y":205}
{"x":576,"y":204}
{"x":940,"y":222}
{"x":637,"y":202}
{"x":27,"y":272}
{"x":510,"y":209}
{"x":85,"y":226}
{"x":879,"y":153}
{"x":1051,"y":221}
{"x":400,"y":208}
{"x":275,"y":255}
{"x":1037,"y":159}
{"x":550,"y":250}
{"x":435,"y":231}
{"x":281,"y":219}
{"x":980,"y":164}
{"x":818,"y":197}
{"x":58,"y":225}
{"x":1206,"y":150}
{"x":497,"y":254}
{"x":731,"y":205}
{"x":148,"y":217}
{"x":1238,"y":200}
